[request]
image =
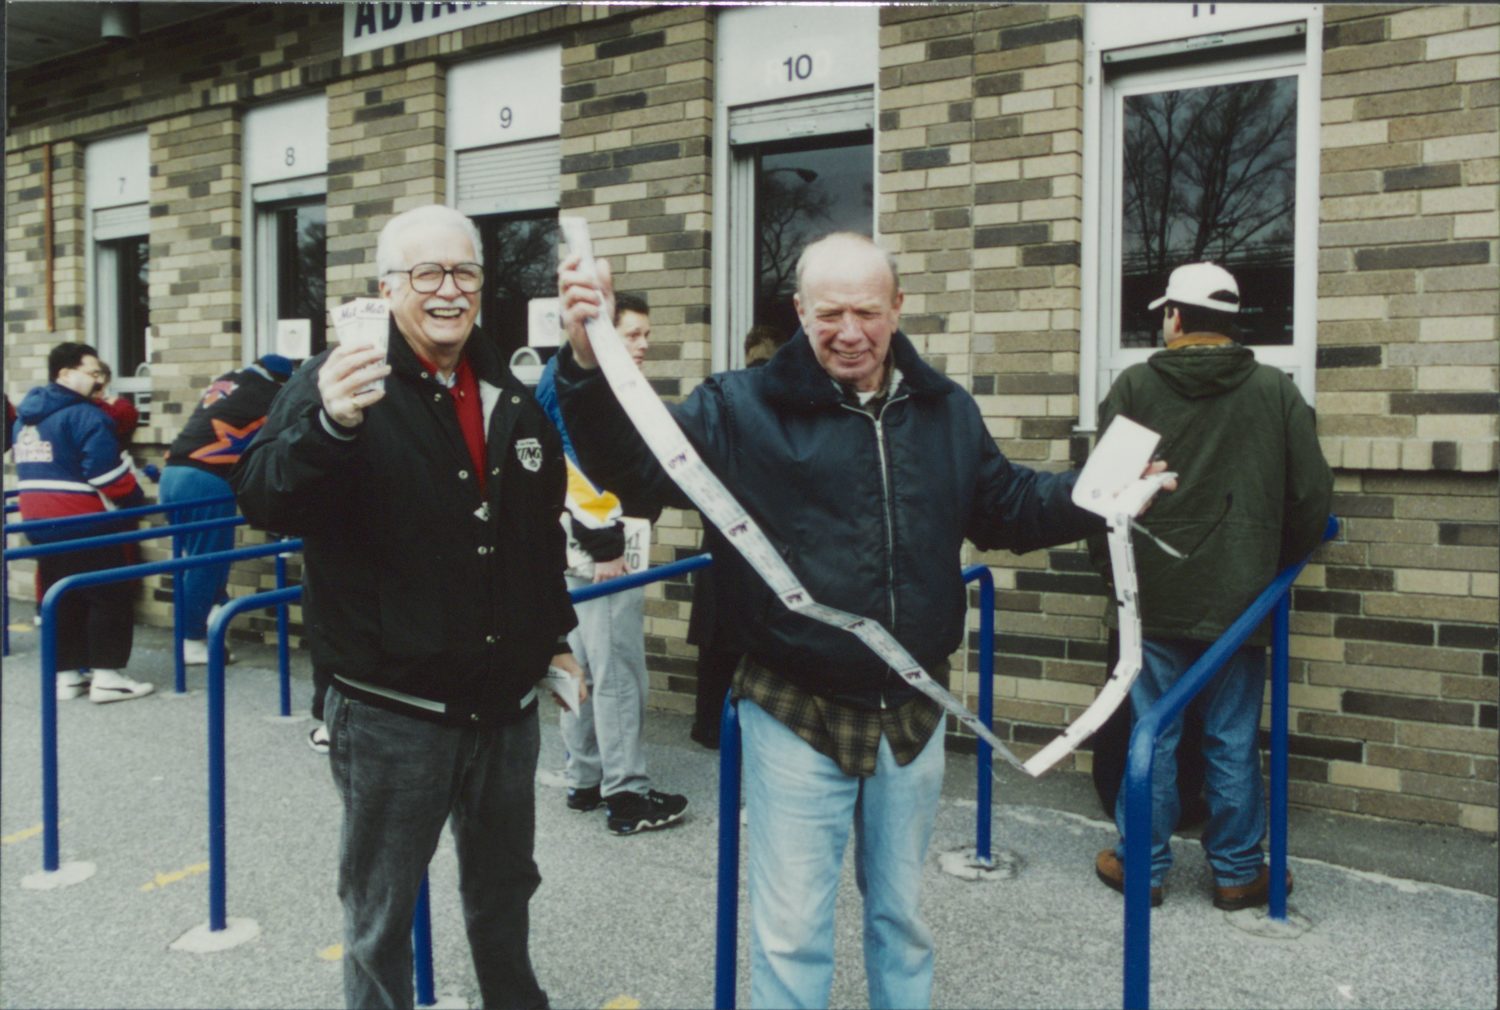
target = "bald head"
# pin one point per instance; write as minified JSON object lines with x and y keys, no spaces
{"x":849,"y":302}
{"x":843,"y":248}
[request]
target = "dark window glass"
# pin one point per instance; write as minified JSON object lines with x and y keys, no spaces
{"x":301,"y":258}
{"x":802,"y":192}
{"x":520,"y":263}
{"x":132,"y":302}
{"x":1210,"y":174}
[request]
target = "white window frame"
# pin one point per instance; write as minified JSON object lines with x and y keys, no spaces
{"x":747,"y":76}
{"x":1123,"y":43}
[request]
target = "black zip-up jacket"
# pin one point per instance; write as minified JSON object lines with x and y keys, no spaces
{"x":416,"y":584}
{"x":870,"y":510}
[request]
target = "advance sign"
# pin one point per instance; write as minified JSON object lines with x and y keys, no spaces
{"x":682,"y":462}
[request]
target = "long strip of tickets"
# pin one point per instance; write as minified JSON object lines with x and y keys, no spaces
{"x":683,"y":464}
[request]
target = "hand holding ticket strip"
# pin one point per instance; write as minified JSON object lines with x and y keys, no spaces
{"x":1111,"y":485}
{"x":364,"y":322}
{"x":563,"y":685}
{"x":682,"y":462}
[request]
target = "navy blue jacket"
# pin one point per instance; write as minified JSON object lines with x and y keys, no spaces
{"x":68,"y":462}
{"x":870,"y":512}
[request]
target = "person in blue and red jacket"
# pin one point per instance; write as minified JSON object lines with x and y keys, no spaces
{"x":68,"y":462}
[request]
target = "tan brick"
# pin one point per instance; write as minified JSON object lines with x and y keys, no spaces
{"x":1465,"y":43}
{"x":1347,"y":773}
{"x":1447,"y":738}
{"x":1427,"y":21}
{"x":1477,"y":68}
{"x":1476,"y":818}
{"x":1433,"y":762}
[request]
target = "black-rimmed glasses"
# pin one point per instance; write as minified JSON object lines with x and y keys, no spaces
{"x":427,"y":278}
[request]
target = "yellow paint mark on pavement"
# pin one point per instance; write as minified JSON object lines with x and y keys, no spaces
{"x":163,"y":879}
{"x":21,"y":629}
{"x":334,"y":953}
{"x":25,"y":833}
{"x":21,"y":836}
{"x":622,"y":1002}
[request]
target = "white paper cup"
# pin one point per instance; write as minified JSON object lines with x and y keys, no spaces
{"x":365,"y":322}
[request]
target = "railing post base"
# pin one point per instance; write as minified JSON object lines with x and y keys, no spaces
{"x":203,"y":939}
{"x":65,"y":875}
{"x":1259,"y":922}
{"x":965,"y":864}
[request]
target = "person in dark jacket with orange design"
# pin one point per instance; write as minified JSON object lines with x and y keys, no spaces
{"x":229,"y":413}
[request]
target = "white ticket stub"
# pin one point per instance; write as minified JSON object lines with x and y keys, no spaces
{"x":562,"y":684}
{"x":682,"y":462}
{"x":364,"y":322}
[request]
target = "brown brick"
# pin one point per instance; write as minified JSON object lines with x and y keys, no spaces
{"x":1349,"y":727}
{"x":1433,"y":762}
{"x":1406,"y":808}
{"x":1408,"y":102}
{"x":1422,"y":177}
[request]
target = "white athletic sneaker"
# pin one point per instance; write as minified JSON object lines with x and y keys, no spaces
{"x":72,"y":684}
{"x":112,"y":685}
{"x":195,"y":652}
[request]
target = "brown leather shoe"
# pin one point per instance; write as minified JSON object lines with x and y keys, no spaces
{"x":1108,"y":868}
{"x":1251,"y":895}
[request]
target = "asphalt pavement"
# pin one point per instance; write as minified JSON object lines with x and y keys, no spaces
{"x":1394,"y":915}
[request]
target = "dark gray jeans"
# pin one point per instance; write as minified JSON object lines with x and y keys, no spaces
{"x":400,"y":778}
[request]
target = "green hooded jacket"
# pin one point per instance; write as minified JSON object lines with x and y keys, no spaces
{"x":1253,"y":487}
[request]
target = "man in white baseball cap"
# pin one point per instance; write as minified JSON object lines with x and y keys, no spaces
{"x":1254,"y":497}
{"x":1206,"y":285}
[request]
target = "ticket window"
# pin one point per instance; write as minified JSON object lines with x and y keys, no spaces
{"x":520,"y":265}
{"x":292,"y":246}
{"x":504,"y":172}
{"x":803,"y":189}
{"x":117,"y":172}
{"x":794,"y":154}
{"x":1205,"y":150}
{"x":286,"y":160}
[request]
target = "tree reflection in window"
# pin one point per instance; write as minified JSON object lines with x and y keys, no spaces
{"x":802,"y":192}
{"x":520,"y":263}
{"x":1210,"y":174}
{"x":301,"y":265}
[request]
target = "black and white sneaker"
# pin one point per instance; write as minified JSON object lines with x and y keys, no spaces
{"x":630,"y":813}
{"x":317,"y":739}
{"x":583,"y":800}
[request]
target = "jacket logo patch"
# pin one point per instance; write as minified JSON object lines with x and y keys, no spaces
{"x":529,"y":452}
{"x":31,"y":447}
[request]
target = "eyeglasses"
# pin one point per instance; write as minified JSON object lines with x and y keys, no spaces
{"x":427,"y":278}
{"x":92,"y":373}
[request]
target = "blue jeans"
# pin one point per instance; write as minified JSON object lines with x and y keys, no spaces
{"x":198,"y":589}
{"x":1231,"y":757}
{"x":399,"y":779}
{"x":799,"y":808}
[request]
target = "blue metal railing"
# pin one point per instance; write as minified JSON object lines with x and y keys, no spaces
{"x":55,"y":593}
{"x":71,"y":522}
{"x":1275,"y":597}
{"x":726,"y":944}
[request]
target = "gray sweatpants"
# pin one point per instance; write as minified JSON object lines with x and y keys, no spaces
{"x":604,"y":739}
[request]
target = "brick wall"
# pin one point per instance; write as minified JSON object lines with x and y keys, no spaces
{"x":637,"y":123}
{"x":980,"y":197}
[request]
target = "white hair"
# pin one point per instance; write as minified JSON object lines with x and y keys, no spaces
{"x":390,"y":250}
